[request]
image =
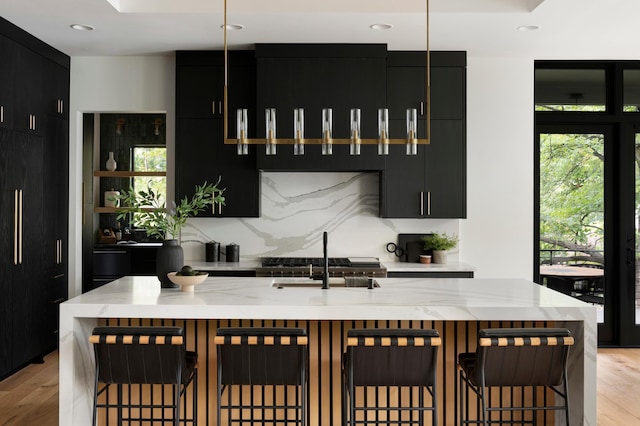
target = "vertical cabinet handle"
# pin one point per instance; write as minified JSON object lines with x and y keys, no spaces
{"x":20,"y":228}
{"x":15,"y":227}
{"x":220,"y":107}
{"x":1,"y":113}
{"x":213,"y":107}
{"x":32,"y":122}
{"x":422,"y":203}
{"x":219,"y":208}
{"x":58,"y":252}
{"x":422,"y":108}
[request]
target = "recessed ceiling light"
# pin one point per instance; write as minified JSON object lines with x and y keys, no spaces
{"x":233,"y":26}
{"x":82,"y":27}
{"x":381,"y":26}
{"x":528,"y":28}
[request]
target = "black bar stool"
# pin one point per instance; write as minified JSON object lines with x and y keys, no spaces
{"x":508,"y":357}
{"x":390,"y":358}
{"x":144,"y":356}
{"x":261,"y":357}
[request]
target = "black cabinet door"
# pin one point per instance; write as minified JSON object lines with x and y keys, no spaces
{"x":445,"y":170}
{"x":433,"y":184}
{"x":199,"y":91}
{"x":28,"y":92}
{"x":55,"y":293}
{"x":402,"y":190}
{"x":201,"y":154}
{"x":28,"y":278}
{"x":8,"y":53}
{"x":56,"y":89}
{"x":196,"y":156}
{"x":56,"y":181}
{"x":7,"y":247}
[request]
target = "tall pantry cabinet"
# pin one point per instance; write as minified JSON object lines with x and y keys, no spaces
{"x":34,"y":150}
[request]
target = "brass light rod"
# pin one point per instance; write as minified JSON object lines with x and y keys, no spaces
{"x":310,"y":141}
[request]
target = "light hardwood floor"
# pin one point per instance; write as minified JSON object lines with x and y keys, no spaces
{"x":30,"y":397}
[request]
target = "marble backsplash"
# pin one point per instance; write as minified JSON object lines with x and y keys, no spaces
{"x":298,"y":207}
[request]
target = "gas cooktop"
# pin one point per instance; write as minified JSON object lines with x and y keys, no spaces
{"x":334,"y":262}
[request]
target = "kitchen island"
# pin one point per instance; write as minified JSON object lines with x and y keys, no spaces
{"x":456,"y":307}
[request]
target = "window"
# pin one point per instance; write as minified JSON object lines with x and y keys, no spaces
{"x":150,"y":159}
{"x":562,"y":90}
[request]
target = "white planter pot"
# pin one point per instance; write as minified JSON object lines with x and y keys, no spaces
{"x":439,"y":256}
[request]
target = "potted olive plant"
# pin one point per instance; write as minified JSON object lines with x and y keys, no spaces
{"x":166,"y":223}
{"x":439,"y":244}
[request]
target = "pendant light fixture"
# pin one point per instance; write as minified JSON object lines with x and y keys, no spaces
{"x":326,"y":140}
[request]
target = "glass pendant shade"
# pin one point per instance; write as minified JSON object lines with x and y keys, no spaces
{"x":270,"y":123}
{"x":298,"y":131}
{"x":327,"y":131}
{"x":354,"y":120}
{"x":242,"y":125}
{"x":383,"y":131}
{"x":412,"y":131}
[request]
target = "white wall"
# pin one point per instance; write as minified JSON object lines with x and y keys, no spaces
{"x":496,"y":238}
{"x":112,"y":84}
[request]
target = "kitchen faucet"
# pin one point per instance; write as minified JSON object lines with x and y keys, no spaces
{"x":325,"y":265}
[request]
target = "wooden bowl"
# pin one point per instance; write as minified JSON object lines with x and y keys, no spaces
{"x":186,"y":282}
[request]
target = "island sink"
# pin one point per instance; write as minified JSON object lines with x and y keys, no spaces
{"x":297,"y":282}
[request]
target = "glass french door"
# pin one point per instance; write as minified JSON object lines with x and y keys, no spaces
{"x":574,"y":184}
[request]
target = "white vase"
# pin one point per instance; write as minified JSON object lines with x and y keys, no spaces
{"x":439,"y":256}
{"x":111,"y":163}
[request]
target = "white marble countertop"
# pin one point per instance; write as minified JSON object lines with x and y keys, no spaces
{"x":397,"y":298}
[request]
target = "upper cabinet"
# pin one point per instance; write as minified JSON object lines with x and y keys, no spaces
{"x":201,"y":154}
{"x":314,"y":77}
{"x":431,"y":184}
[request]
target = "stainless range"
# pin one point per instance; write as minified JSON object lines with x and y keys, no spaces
{"x":313,"y":266}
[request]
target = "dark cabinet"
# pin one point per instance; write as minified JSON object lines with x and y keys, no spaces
{"x":201,"y":154}
{"x":431,"y":184}
{"x":314,"y":77}
{"x":113,"y":262}
{"x":21,"y":215}
{"x":33,"y":195}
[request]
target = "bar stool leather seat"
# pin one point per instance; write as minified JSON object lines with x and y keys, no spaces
{"x":262,"y":356}
{"x":390,"y":358}
{"x":143,"y":356}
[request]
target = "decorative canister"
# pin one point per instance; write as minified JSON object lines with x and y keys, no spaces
{"x":212,"y":251}
{"x":110,"y":198}
{"x":233,"y":252}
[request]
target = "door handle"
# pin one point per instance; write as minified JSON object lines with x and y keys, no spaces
{"x":1,"y":113}
{"x":220,"y":107}
{"x":428,"y":203}
{"x":422,"y":108}
{"x":421,"y":203}
{"x":213,"y":107}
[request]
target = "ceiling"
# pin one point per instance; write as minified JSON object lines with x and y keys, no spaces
{"x":569,"y":29}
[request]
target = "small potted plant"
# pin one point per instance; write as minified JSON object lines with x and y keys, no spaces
{"x":165,"y":223}
{"x":439,"y":244}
